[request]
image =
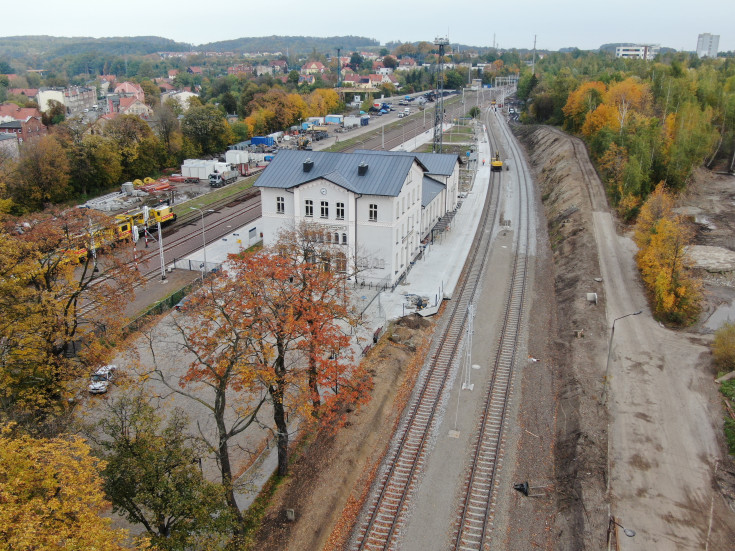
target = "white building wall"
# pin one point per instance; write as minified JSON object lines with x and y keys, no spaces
{"x":385,"y":247}
{"x":708,"y":45}
{"x":44,"y":96}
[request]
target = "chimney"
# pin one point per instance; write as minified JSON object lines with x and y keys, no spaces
{"x":308,"y":165}
{"x":362,"y":168}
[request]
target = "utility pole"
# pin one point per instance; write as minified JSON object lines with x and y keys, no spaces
{"x":533,"y":63}
{"x":439,"y":113}
{"x":339,"y":68}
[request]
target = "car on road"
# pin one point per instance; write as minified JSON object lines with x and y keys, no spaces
{"x":101,"y":379}
{"x":401,"y":115}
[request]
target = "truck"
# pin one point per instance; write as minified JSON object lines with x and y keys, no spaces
{"x":219,"y":179}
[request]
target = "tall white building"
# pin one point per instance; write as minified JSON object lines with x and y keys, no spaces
{"x":643,"y":51}
{"x":377,"y":205}
{"x":707,"y":45}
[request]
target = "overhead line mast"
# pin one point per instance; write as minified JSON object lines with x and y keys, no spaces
{"x":439,"y":112}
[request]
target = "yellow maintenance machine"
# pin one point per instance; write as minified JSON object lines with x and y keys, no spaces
{"x":496,"y":165}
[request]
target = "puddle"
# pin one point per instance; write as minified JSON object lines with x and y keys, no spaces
{"x":723,"y":313}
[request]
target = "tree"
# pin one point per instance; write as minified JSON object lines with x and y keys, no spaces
{"x":95,"y":165}
{"x":723,"y":347}
{"x":167,"y":127}
{"x":356,"y":61}
{"x":207,"y":128}
{"x":55,"y":114}
{"x":216,"y":344}
{"x":474,"y":112}
{"x":152,"y":477}
{"x":152,"y":93}
{"x":49,"y":336}
{"x":662,"y":238}
{"x":581,"y":102}
{"x":52,"y":496}
{"x":390,"y":62}
{"x":42,"y":176}
{"x":128,"y":132}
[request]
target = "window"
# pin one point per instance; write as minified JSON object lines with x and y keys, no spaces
{"x":309,"y":205}
{"x":340,"y":211}
{"x":344,"y":239}
{"x":373,"y":212}
{"x":325,"y":209}
{"x":280,"y":205}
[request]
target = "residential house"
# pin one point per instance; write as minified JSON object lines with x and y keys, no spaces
{"x":375,"y":206}
{"x":11,"y":112}
{"x":133,"y":106}
{"x":181,"y":97}
{"x":313,"y":68}
{"x":29,"y":93}
{"x":195,"y":70}
{"x":172,"y":73}
{"x":307,"y":79}
{"x":240,"y":69}
{"x":279,"y":66}
{"x":45,"y":95}
{"x":130,"y":89}
{"x":24,"y":130}
{"x":79,"y":98}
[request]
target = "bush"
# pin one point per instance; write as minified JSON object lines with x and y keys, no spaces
{"x":723,"y":347}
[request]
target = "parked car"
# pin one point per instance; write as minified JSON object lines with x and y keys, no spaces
{"x":101,"y":379}
{"x":181,"y":305}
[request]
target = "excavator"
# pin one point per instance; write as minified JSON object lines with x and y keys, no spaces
{"x":496,"y":165}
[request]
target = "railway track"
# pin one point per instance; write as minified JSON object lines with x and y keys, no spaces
{"x":386,"y":512}
{"x":475,"y":515}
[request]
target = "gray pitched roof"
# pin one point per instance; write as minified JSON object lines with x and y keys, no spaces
{"x":430,"y":188}
{"x":385,"y":174}
{"x":436,"y":163}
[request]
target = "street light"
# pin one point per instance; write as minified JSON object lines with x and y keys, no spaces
{"x":204,"y":240}
{"x":611,"y":528}
{"x":603,"y":398}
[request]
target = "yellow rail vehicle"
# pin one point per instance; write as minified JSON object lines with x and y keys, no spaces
{"x":496,"y":165}
{"x":144,"y":218}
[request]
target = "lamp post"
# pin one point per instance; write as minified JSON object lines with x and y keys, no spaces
{"x":204,"y":239}
{"x":603,"y":398}
{"x":611,"y":528}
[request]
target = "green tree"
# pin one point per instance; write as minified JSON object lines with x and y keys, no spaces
{"x":207,"y":128}
{"x":55,"y":113}
{"x":95,"y":165}
{"x":152,"y":93}
{"x":153,"y":477}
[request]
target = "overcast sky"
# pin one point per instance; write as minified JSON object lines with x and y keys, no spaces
{"x":586,"y":24}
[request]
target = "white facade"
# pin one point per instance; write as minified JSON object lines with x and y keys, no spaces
{"x":382,"y":233}
{"x":44,"y":96}
{"x":644,"y":51}
{"x":707,"y":45}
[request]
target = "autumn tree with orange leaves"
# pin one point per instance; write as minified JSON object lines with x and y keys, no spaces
{"x":662,"y":238}
{"x":272,"y":327}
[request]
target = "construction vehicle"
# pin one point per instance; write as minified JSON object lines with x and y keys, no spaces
{"x":496,"y":165}
{"x":303,"y":142}
{"x":147,"y":217}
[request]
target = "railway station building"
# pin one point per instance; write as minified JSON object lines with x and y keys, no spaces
{"x":377,"y":205}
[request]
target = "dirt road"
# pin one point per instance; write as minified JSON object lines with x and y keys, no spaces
{"x":663,"y":410}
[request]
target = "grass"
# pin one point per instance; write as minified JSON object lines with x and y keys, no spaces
{"x":728,"y":391}
{"x":214,"y":196}
{"x":253,"y":517}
